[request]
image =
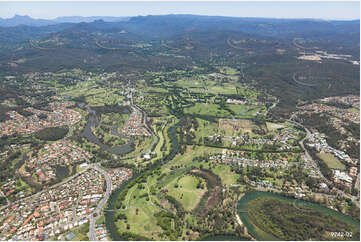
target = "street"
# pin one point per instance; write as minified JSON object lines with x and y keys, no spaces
{"x":101,"y":204}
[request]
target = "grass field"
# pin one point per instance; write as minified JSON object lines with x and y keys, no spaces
{"x":159,"y":144}
{"x":331,"y":161}
{"x":140,"y":214}
{"x":216,"y":88}
{"x":207,"y":109}
{"x":273,"y":126}
{"x":207,"y":86}
{"x":246,"y":110}
{"x":228,"y":70}
{"x":81,"y":233}
{"x":240,"y":111}
{"x":354,"y":110}
{"x":224,"y":172}
{"x":186,"y":191}
{"x":206,"y":128}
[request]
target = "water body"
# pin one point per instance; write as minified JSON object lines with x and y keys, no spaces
{"x":109,"y":216}
{"x":93,"y":121}
{"x":62,"y":172}
{"x":259,"y":234}
{"x":121,"y":149}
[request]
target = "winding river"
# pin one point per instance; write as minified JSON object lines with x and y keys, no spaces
{"x":260,"y":234}
{"x":109,"y":216}
{"x":88,"y":134}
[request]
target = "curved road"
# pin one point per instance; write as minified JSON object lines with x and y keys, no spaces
{"x":353,"y":198}
{"x":308,"y":134}
{"x":144,"y":117}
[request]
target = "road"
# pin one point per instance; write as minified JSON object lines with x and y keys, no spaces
{"x":96,"y":214}
{"x":144,"y":117}
{"x":308,"y":134}
{"x":302,"y":83}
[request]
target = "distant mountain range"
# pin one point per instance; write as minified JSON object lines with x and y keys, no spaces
{"x":26,"y":20}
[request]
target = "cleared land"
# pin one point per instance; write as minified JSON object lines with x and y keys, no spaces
{"x":331,"y":161}
{"x":186,"y":192}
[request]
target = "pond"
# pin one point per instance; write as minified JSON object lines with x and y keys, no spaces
{"x":62,"y":172}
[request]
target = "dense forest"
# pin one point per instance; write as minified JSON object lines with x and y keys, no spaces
{"x":179,"y":42}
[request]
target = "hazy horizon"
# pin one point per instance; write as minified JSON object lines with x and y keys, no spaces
{"x":281,"y":10}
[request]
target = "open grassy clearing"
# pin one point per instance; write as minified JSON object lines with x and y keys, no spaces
{"x":224,"y":172}
{"x":185,"y":161}
{"x":216,"y":88}
{"x":205,"y":128}
{"x":185,"y":190}
{"x":228,"y":70}
{"x":81,"y":233}
{"x":233,"y":127}
{"x":207,"y":109}
{"x":139,"y":213}
{"x":151,"y":89}
{"x":239,"y":111}
{"x":274,"y":126}
{"x":160,"y":143}
{"x":354,"y":110}
{"x":104,"y":96}
{"x":246,"y":110}
{"x":207,"y":86}
{"x":331,"y":161}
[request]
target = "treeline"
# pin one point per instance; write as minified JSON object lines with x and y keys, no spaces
{"x":284,"y":221}
{"x":213,"y":194}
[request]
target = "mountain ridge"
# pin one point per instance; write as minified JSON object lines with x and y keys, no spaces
{"x":17,"y":19}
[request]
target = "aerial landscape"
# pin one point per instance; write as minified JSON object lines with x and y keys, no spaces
{"x":178,"y":126}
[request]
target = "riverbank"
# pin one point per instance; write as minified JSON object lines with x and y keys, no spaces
{"x":244,"y":210}
{"x":109,"y":216}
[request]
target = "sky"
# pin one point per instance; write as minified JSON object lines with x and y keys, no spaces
{"x":293,"y":9}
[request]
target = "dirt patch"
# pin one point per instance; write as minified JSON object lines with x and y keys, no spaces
{"x":237,"y":125}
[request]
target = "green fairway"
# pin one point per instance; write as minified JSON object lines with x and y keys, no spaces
{"x":236,"y":110}
{"x":224,"y":172}
{"x":273,"y":126}
{"x":245,"y":110}
{"x":331,"y":161}
{"x":186,"y":192}
{"x":140,"y":214}
{"x":207,"y":109}
{"x":228,"y":70}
